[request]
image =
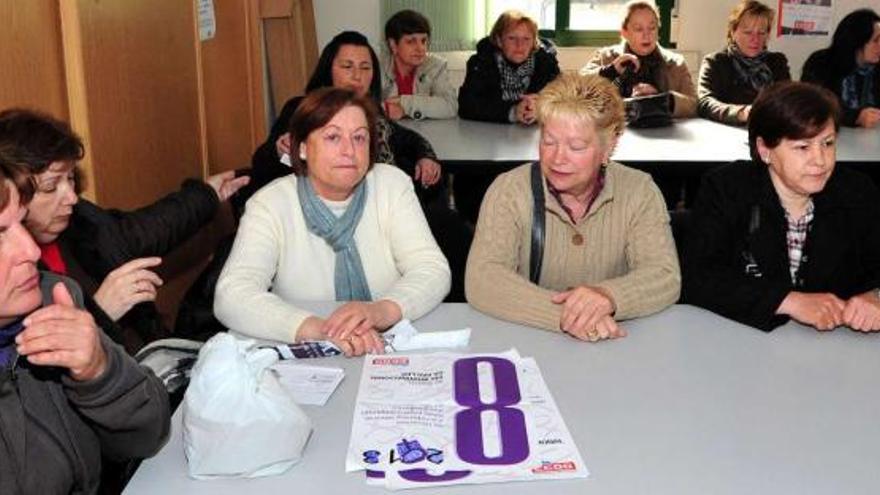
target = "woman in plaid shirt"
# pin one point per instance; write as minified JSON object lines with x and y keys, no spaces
{"x":787,"y":235}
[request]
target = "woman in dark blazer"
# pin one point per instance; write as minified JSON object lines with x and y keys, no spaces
{"x":730,"y":79}
{"x":787,"y":235}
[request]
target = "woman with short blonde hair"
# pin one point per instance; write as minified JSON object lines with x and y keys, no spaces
{"x":575,"y":242}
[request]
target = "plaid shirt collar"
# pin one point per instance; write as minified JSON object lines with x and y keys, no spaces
{"x":796,"y":239}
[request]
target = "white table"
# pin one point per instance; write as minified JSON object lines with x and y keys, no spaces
{"x":459,"y":141}
{"x":688,"y":403}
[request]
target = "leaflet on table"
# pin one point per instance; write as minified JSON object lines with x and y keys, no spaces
{"x":309,"y":385}
{"x":444,"y":418}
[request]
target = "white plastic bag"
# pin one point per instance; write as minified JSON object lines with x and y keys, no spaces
{"x":238,"y":421}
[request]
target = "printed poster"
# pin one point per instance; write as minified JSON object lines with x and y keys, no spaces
{"x":425,"y":420}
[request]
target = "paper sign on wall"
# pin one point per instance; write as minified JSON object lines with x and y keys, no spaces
{"x":804,"y":18}
{"x":207,"y":19}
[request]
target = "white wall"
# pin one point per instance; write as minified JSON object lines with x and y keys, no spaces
{"x":335,"y":16}
{"x":703,"y":24}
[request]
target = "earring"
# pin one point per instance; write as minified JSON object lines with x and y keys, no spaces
{"x":302,"y":154}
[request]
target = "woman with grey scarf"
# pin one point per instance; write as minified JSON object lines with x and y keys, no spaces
{"x":731,"y":79}
{"x":341,"y":228}
{"x":510,"y":67}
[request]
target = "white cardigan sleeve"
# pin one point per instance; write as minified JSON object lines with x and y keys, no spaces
{"x":242,"y":300}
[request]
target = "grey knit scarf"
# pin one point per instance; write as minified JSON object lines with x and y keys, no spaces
{"x":348,"y":276}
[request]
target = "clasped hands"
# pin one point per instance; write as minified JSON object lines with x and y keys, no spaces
{"x":587,"y":314}
{"x":825,"y":311}
{"x":354,"y":327}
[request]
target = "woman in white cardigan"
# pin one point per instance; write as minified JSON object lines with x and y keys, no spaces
{"x":339,"y":229}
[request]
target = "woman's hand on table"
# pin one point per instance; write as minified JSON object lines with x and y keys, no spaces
{"x":358,"y":318}
{"x":824,"y":310}
{"x":862,"y":312}
{"x":587,"y":314}
{"x":526,"y":110}
{"x":868,"y":117}
{"x":606,"y":328}
{"x":352,"y":345}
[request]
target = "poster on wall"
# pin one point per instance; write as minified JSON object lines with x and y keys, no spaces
{"x":804,"y":18}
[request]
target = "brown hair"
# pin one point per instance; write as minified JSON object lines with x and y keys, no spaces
{"x":4,"y":190}
{"x":750,"y":8}
{"x":508,"y":20}
{"x":30,"y":142}
{"x":633,"y":5}
{"x":317,"y":109}
{"x":790,"y":110}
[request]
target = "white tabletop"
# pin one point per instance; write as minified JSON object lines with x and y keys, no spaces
{"x":688,"y":403}
{"x":686,"y":141}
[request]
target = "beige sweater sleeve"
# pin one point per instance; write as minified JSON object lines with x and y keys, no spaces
{"x":653,"y":279}
{"x":492,"y":282}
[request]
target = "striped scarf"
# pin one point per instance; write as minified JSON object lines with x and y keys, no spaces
{"x":752,"y":71}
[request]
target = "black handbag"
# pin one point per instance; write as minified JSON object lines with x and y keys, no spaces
{"x":649,"y":111}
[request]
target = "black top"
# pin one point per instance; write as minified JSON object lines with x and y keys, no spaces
{"x":98,"y":241}
{"x":480,"y":96}
{"x":817,"y":70}
{"x":738,"y":221}
{"x":721,"y":93}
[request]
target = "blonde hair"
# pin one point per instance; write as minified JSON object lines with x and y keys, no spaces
{"x":745,"y":8}
{"x":588,"y":99}
{"x":508,"y":20}
{"x":633,"y":5}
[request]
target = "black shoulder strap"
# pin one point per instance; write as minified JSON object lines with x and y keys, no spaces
{"x":537,"y":252}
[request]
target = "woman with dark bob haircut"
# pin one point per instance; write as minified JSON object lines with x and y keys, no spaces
{"x":850,"y":67}
{"x":787,"y":235}
{"x":340,"y":228}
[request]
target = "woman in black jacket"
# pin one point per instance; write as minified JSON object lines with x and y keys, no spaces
{"x":787,"y":235}
{"x":112,"y":254}
{"x":850,"y":67}
{"x":510,"y":67}
{"x":731,"y":78}
{"x":349,"y":61}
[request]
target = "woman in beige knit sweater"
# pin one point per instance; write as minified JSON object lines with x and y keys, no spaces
{"x":607,"y":253}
